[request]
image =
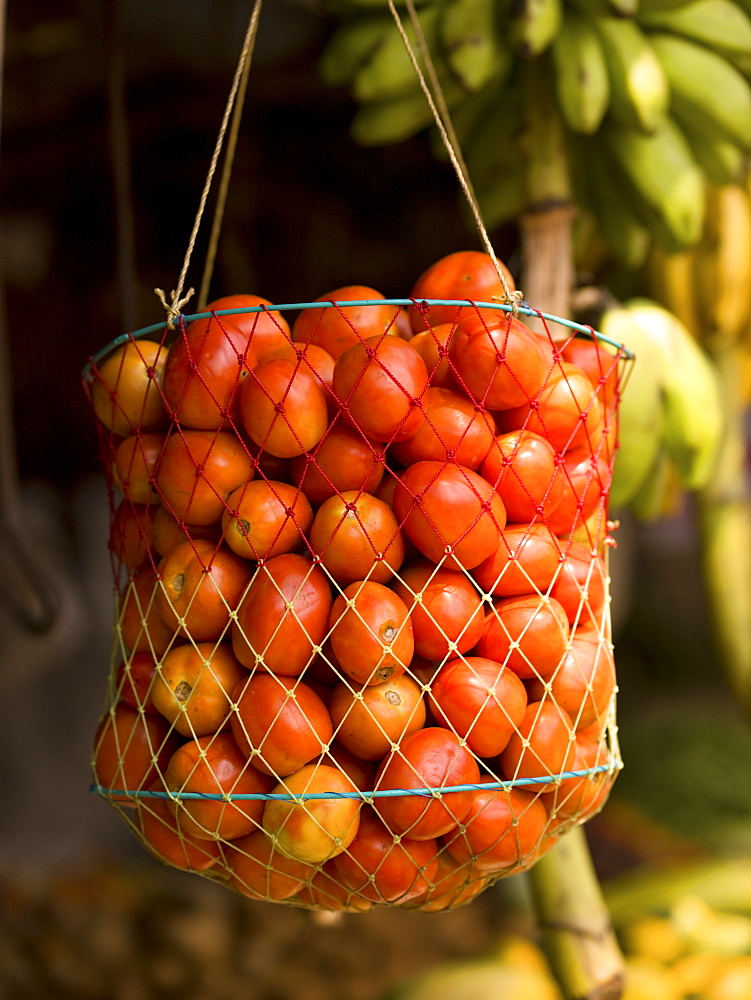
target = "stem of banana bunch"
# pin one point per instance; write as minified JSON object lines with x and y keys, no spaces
{"x":724,"y":514}
{"x":571,"y":912}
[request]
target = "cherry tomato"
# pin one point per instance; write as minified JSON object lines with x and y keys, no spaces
{"x":465,"y":274}
{"x":283,"y":407}
{"x":370,"y":721}
{"x":454,"y":429}
{"x":337,"y":328}
{"x":126,"y":388}
{"x":265,"y":518}
{"x":529,"y":634}
{"x":371,"y":632}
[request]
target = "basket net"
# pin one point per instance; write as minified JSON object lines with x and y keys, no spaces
{"x":361,"y":652}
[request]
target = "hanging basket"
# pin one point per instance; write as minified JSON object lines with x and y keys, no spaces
{"x":362,"y":651}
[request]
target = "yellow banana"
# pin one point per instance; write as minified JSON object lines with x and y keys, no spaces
{"x":639,"y":93}
{"x":717,"y":24}
{"x":581,"y":73}
{"x":671,"y":281}
{"x":723,"y":264}
{"x":533,"y":24}
{"x":470,"y":38}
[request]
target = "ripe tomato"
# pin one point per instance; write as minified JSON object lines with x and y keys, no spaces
{"x":357,"y":537}
{"x":580,"y":585}
{"x":280,"y":723}
{"x":126,"y":388}
{"x":432,"y":346}
{"x":526,"y":560}
{"x":201,"y":587}
{"x":585,"y":483}
{"x":584,"y":682}
{"x":581,"y":797}
{"x":198,"y":471}
{"x":131,"y":538}
{"x":503,"y":829}
{"x":283,"y":407}
{"x":215,"y":765}
{"x":168,"y":532}
{"x":136,"y":460}
{"x":268,"y":330}
{"x":260,"y":871}
{"x":449,"y":513}
{"x":319,"y":363}
{"x":523,"y":468}
{"x":141,"y":627}
{"x":371,"y":633}
{"x":314,"y":829}
{"x":344,"y":460}
{"x":165,"y":838}
{"x":284,"y":614}
{"x":380,"y":384}
{"x":542,"y":745}
{"x":480,"y":700}
{"x":337,"y":328}
{"x":567,"y":413}
{"x":599,"y":361}
{"x":129,"y":750}
{"x":134,"y":679}
{"x":451,"y":885}
{"x":428,"y":758}
{"x":368,"y":722}
{"x":466,"y":274}
{"x":529,"y":634}
{"x":454,"y":429}
{"x":265,"y":518}
{"x":326,"y":892}
{"x":383,"y":868}
{"x":360,"y":772}
{"x":498,"y":362}
{"x":193,"y":687}
{"x":445,"y":608}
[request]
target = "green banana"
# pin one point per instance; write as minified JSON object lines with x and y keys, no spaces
{"x":469,"y":35}
{"x":533,"y":24}
{"x":388,"y":71}
{"x":581,"y":73}
{"x":722,"y":161}
{"x":639,"y":92}
{"x":495,"y":163}
{"x":657,"y":497}
{"x":380,"y":123}
{"x":606,"y":8}
{"x":351,"y":45}
{"x":719,"y":24}
{"x":664,"y":180}
{"x":705,"y":88}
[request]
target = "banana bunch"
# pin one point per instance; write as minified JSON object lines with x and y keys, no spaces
{"x":671,"y":413}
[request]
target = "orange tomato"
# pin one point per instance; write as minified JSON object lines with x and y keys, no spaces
{"x":432,"y":346}
{"x":523,"y":468}
{"x":141,"y":627}
{"x":369,"y":721}
{"x":451,"y":885}
{"x":164,"y":837}
{"x":584,"y":681}
{"x":529,"y":634}
{"x":567,"y":412}
{"x":503,"y":829}
{"x":129,"y":750}
{"x":342,"y":461}
{"x":260,"y":871}
{"x":465,"y":274}
{"x":526,"y":560}
{"x":168,"y":532}
{"x":283,"y":407}
{"x":134,"y":679}
{"x":126,"y":388}
{"x":265,"y":518}
{"x":454,"y":429}
{"x":267,"y":330}
{"x":326,"y":892}
{"x":337,"y":328}
{"x":580,"y":797}
{"x":193,"y":687}
{"x":131,"y":538}
{"x":580,"y":585}
{"x":542,"y":745}
{"x":134,"y":465}
{"x":371,"y":633}
{"x":585,"y":483}
{"x":599,"y":361}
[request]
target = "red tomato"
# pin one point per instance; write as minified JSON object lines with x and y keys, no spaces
{"x":193,"y":687}
{"x":283,"y":615}
{"x":283,"y":407}
{"x":326,"y":892}
{"x":371,"y":634}
{"x":136,"y":460}
{"x":585,"y":483}
{"x":480,"y":700}
{"x":445,"y":608}
{"x":168,"y":532}
{"x":568,"y":413}
{"x":449,"y":513}
{"x":126,"y":388}
{"x":452,"y":885}
{"x":579,"y":798}
{"x":523,"y":468}
{"x":383,"y":868}
{"x":526,"y":560}
{"x":529,"y":634}
{"x":280,"y":723}
{"x":344,"y":460}
{"x":584,"y":682}
{"x":260,"y":871}
{"x":129,"y":750}
{"x":498,"y":362}
{"x":265,"y":518}
{"x":131,"y":538}
{"x":381,"y":384}
{"x":503,"y":829}
{"x":454,"y":429}
{"x":541,"y":746}
{"x":134,"y":680}
{"x":432,"y":346}
{"x":141,"y":626}
{"x":466,"y":274}
{"x":428,"y":758}
{"x":337,"y":328}
{"x":165,"y":838}
{"x":369,"y":721}
{"x":268,"y":330}
{"x":580,"y":585}
{"x":599,"y":361}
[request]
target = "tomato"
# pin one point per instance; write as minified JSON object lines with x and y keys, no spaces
{"x":428,"y":758}
{"x":215,"y":765}
{"x":449,"y":513}
{"x":371,"y":633}
{"x":319,"y":363}
{"x":136,"y":460}
{"x":314,"y":829}
{"x":265,"y":518}
{"x":193,"y":687}
{"x":134,"y":679}
{"x":480,"y":700}
{"x":201,"y":587}
{"x":451,"y":885}
{"x":357,"y":537}
{"x":465,"y":274}
{"x":283,"y":615}
{"x":126,"y":388}
{"x":580,"y":797}
{"x":283,"y":407}
{"x":360,"y":772}
{"x":268,"y":330}
{"x":503,"y":829}
{"x":445,"y":608}
{"x":280,"y":723}
{"x":585,"y":483}
{"x":198,"y":471}
{"x":326,"y":892}
{"x":529,"y":634}
{"x":260,"y":871}
{"x":344,"y":460}
{"x":165,"y":838}
{"x":498,"y":362}
{"x":541,"y":746}
{"x":432,"y":346}
{"x":141,"y":627}
{"x":581,"y":586}
{"x":584,"y":683}
{"x":131,"y":538}
{"x":526,"y":560}
{"x":129,"y":750}
{"x":384,"y":868}
{"x":337,"y":328}
{"x":567,"y":413}
{"x":599,"y":361}
{"x":523,"y":468}
{"x":368,"y":722}
{"x":454,"y":429}
{"x":168,"y":532}
{"x":380,"y":384}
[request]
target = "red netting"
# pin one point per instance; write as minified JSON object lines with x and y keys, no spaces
{"x":361,"y":651}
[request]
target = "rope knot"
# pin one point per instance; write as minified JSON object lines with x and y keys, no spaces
{"x":173,"y":308}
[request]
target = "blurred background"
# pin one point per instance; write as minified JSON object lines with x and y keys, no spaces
{"x":109,"y":118}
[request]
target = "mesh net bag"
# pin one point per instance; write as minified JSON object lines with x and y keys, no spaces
{"x":362,"y":652}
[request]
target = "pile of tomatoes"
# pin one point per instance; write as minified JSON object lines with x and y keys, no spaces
{"x":360,"y":589}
